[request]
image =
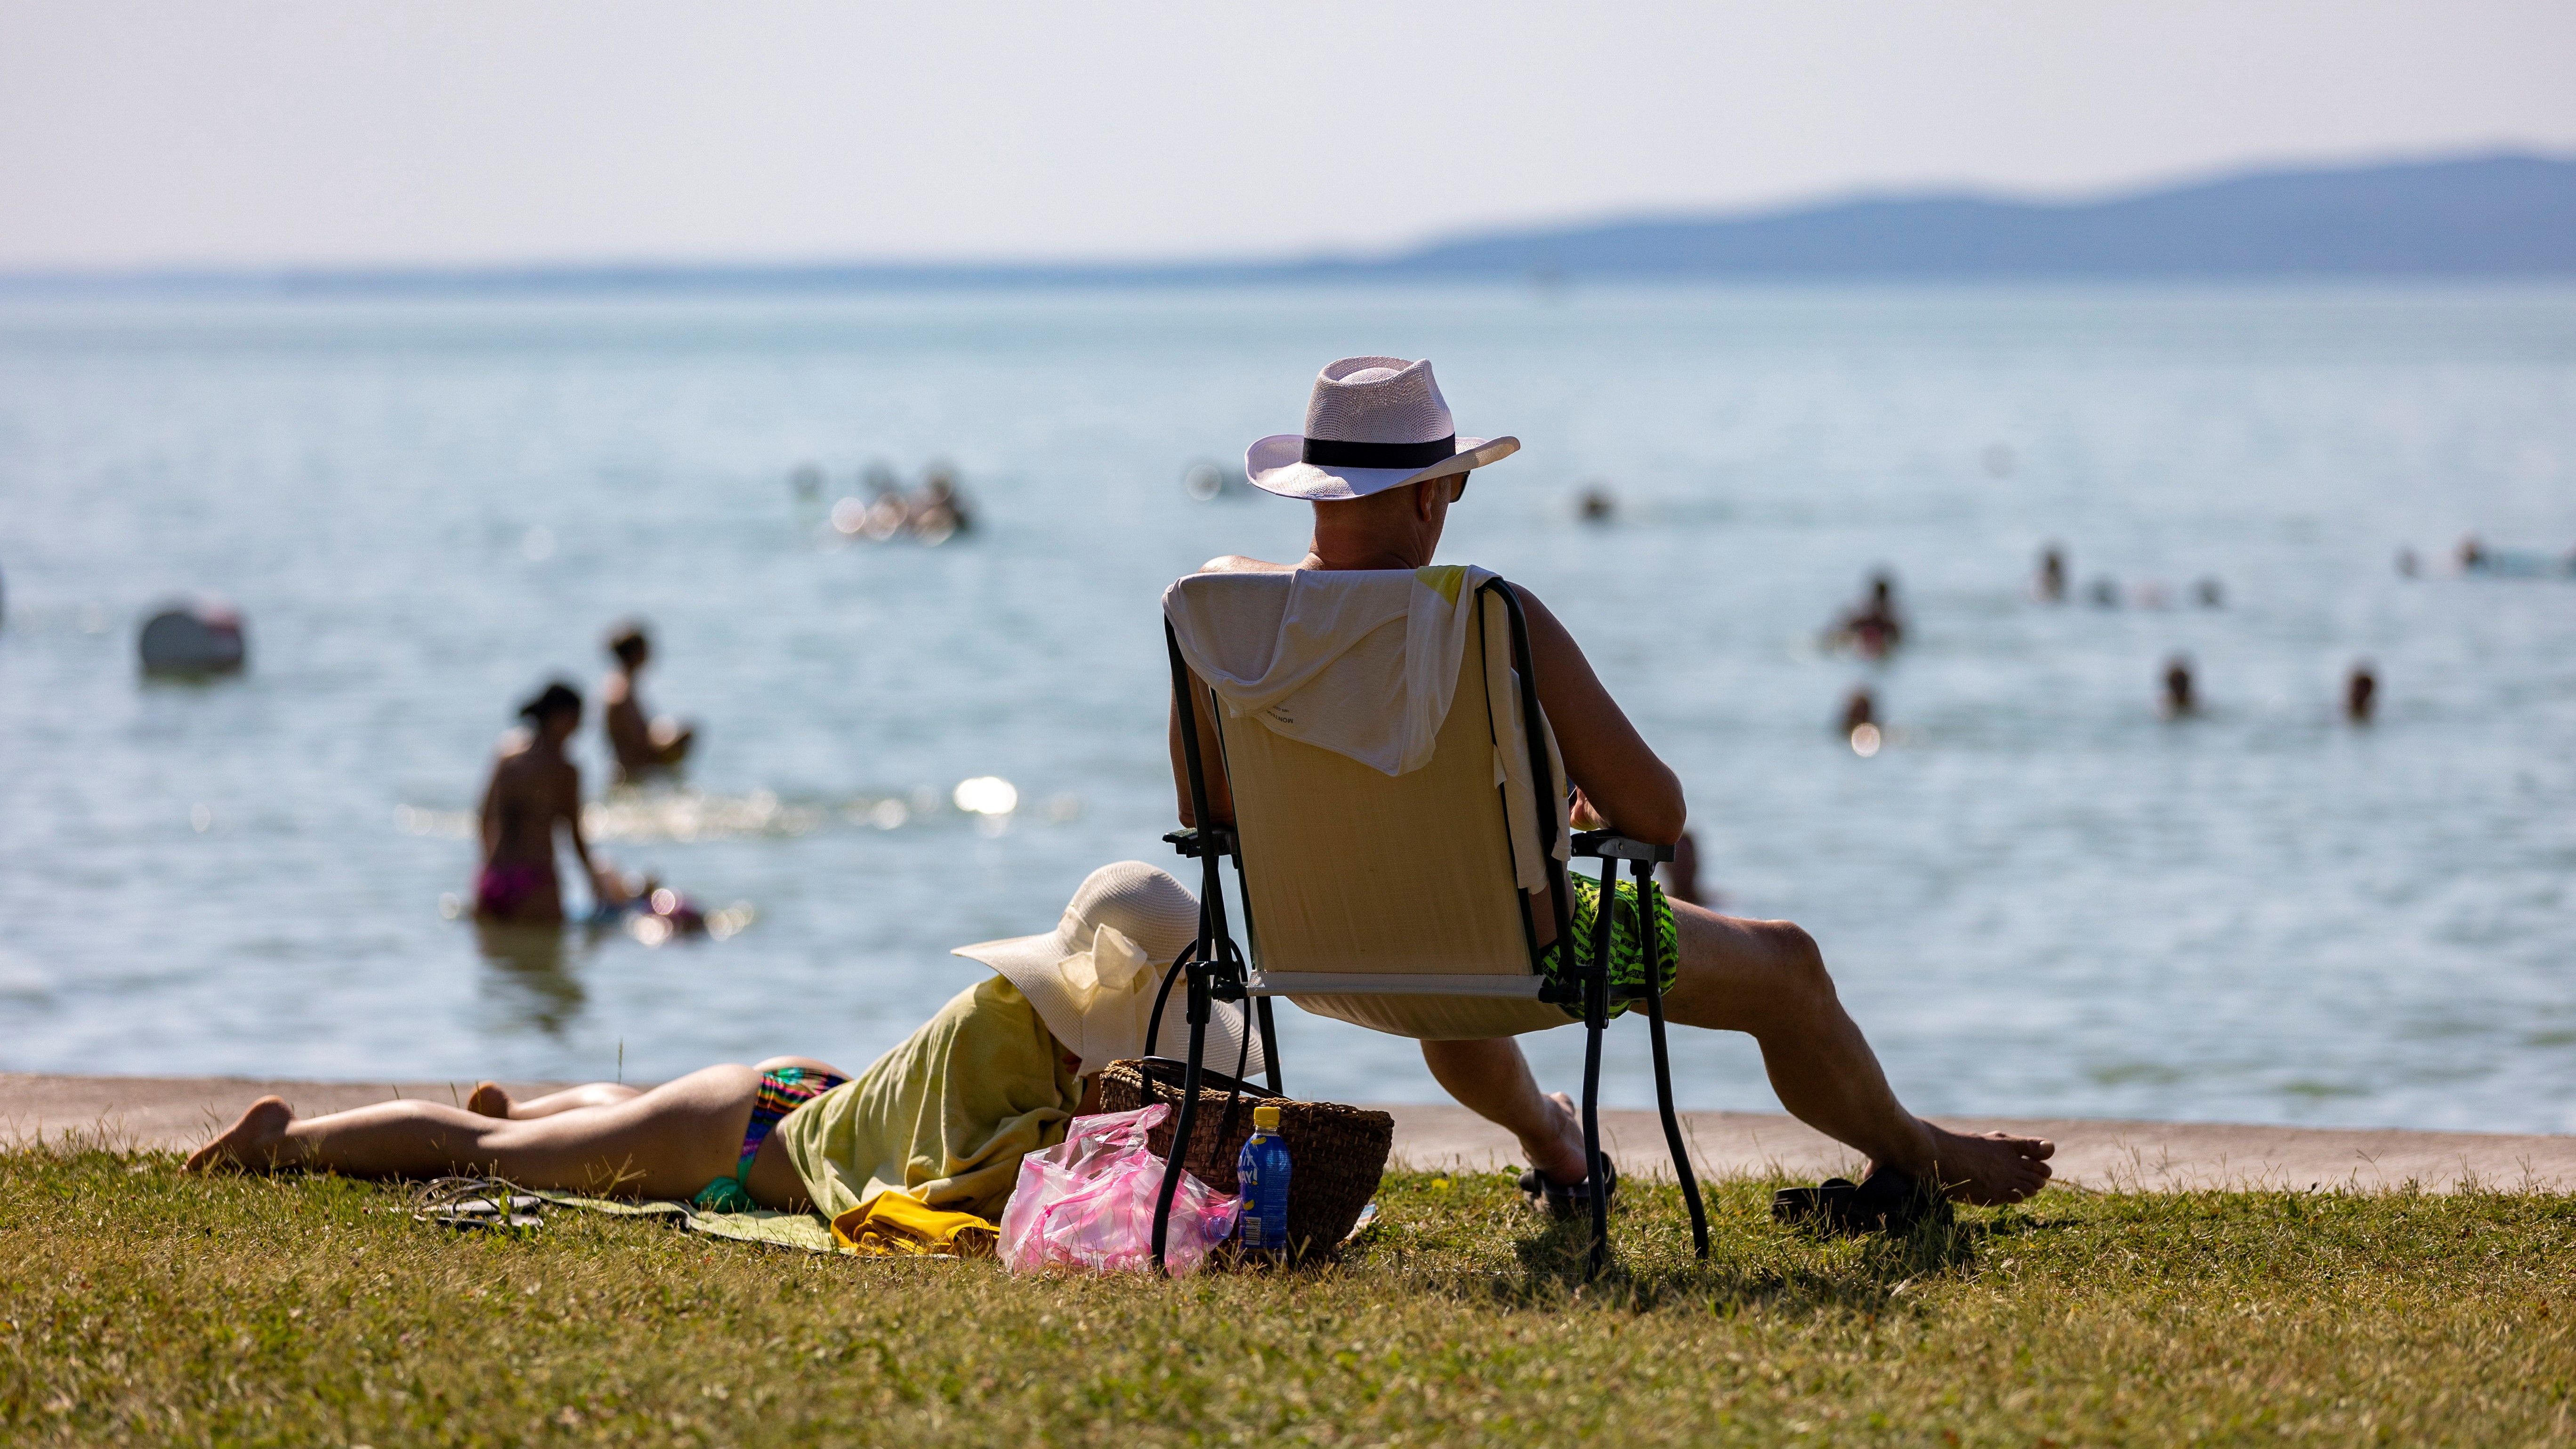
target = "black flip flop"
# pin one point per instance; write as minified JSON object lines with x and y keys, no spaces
{"x":1886,"y":1201}
{"x":1568,"y":1201}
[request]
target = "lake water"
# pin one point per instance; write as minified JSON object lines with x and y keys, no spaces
{"x":2040,"y":897}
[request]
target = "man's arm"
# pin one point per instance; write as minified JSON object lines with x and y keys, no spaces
{"x":1626,"y":786}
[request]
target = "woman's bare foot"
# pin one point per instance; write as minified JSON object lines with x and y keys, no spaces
{"x":1989,"y":1168}
{"x":488,"y":1100}
{"x":251,"y":1143}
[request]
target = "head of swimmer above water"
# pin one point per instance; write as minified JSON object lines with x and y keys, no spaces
{"x":631,"y":645}
{"x":554,"y":712}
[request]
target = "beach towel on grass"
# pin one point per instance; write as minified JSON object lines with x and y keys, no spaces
{"x":891,"y":1225}
{"x":778,"y":1230}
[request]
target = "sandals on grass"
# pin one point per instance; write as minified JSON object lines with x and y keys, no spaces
{"x":466,"y":1203}
{"x":1886,"y":1201}
{"x":1569,"y":1201}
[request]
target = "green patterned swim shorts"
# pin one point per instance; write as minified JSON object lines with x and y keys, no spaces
{"x":1627,"y":948}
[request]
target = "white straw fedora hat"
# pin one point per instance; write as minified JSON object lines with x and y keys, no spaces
{"x":1372,"y":423}
{"x":1093,"y":978}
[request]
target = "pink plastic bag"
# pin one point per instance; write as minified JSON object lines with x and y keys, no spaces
{"x":1088,"y":1202}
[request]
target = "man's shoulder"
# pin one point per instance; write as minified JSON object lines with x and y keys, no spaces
{"x":1235,"y":563}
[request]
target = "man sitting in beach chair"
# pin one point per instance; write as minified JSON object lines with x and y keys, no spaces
{"x":1380,"y":462}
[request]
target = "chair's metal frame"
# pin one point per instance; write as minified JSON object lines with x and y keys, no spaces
{"x":1215,"y":969}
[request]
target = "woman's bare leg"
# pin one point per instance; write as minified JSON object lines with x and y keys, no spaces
{"x":488,"y":1100}
{"x":668,"y":1142}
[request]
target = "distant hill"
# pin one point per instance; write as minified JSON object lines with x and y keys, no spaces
{"x":2495,"y":216}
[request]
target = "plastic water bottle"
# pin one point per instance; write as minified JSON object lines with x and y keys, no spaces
{"x":1261,"y":1176}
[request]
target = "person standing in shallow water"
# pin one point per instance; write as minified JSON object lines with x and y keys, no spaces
{"x":2181,"y":701}
{"x":534,"y":787}
{"x":1874,"y":629}
{"x":2360,"y":693}
{"x":642,"y":746}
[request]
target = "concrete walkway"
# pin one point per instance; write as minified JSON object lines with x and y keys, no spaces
{"x":180,"y":1112}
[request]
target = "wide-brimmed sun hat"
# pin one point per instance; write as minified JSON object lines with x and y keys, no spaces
{"x":1372,"y":423}
{"x":1092,"y":979}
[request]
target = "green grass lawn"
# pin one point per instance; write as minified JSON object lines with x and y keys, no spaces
{"x":137,"y":1305}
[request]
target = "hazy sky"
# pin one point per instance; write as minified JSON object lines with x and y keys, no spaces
{"x":347,"y":131}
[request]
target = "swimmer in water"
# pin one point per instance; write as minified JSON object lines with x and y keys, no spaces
{"x":888,"y":512}
{"x":1874,"y":629}
{"x":937,"y":511}
{"x":2052,"y":575}
{"x":534,"y":787}
{"x":2360,"y":694}
{"x":2180,"y":702}
{"x":1860,"y":709}
{"x":643,"y":747}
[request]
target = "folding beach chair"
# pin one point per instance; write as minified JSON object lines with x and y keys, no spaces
{"x":1403,"y":903}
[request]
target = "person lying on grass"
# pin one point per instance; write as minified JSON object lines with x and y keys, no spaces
{"x":1381,"y":496}
{"x":945,"y":1117}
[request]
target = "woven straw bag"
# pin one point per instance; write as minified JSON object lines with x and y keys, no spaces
{"x":1337,"y":1153}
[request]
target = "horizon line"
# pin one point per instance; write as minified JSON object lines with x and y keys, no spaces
{"x":1349,"y":264}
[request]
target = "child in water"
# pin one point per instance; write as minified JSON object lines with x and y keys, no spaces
{"x":642,"y":746}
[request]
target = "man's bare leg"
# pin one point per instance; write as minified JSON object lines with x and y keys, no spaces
{"x":1492,"y":1079}
{"x":1767,"y":979}
{"x":668,"y":1142}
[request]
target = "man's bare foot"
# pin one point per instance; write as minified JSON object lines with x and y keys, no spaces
{"x":1989,"y":1168}
{"x":1561,"y":1158}
{"x":488,"y":1100}
{"x":251,"y":1143}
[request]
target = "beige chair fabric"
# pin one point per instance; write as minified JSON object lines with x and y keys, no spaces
{"x":1393,"y":902}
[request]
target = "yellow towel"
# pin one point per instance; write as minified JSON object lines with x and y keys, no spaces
{"x":892,"y":1224}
